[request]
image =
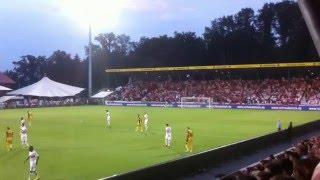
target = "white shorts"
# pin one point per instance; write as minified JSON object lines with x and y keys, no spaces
{"x":33,"y":166}
{"x":24,"y":138}
{"x":168,"y":137}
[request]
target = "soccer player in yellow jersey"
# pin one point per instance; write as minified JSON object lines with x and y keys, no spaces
{"x":139,"y":124}
{"x":9,"y":139}
{"x":189,"y":140}
{"x":29,"y":117}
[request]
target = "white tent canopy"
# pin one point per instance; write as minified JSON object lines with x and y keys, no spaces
{"x":7,"y":98}
{"x":47,"y":88}
{"x":102,"y":94}
{"x":2,"y":88}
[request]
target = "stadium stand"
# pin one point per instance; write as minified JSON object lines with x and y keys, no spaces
{"x":299,"y":162}
{"x":293,"y":91}
{"x":36,"y":102}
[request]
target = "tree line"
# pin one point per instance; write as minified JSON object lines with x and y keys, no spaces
{"x":275,"y":33}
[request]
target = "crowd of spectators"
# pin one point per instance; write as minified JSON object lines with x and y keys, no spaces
{"x":35,"y":102}
{"x":293,"y":91}
{"x":298,"y":163}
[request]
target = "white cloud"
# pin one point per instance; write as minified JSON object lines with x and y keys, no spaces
{"x":147,"y":5}
{"x":165,"y":10}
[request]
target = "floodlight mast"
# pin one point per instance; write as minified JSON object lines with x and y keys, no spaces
{"x":90,"y":64}
{"x":310,"y":12}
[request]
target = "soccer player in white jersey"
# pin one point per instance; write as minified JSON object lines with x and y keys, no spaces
{"x":23,"y":135}
{"x":34,"y":159}
{"x":108,"y":118}
{"x":168,"y":136}
{"x":146,"y":120}
{"x":22,"y":121}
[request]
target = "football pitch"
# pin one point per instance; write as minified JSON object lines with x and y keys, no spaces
{"x":74,"y":143}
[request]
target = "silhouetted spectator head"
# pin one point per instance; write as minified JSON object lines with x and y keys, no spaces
{"x":287,"y":166}
{"x":274,"y":167}
{"x":263,"y":175}
{"x":282,"y":177}
{"x":245,"y":177}
{"x":303,"y":169}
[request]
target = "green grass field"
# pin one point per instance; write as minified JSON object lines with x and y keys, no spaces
{"x":73,"y":142}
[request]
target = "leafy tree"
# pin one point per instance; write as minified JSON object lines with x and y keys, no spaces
{"x":28,"y":69}
{"x":275,"y":33}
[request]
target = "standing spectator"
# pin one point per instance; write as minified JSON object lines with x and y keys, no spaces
{"x":279,"y":125}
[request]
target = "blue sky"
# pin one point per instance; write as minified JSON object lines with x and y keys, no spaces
{"x":39,"y":27}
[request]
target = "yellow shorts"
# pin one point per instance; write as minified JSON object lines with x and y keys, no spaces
{"x":9,"y":140}
{"x":190,"y":141}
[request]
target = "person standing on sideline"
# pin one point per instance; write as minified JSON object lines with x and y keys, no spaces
{"x":189,"y":140}
{"x":279,"y":125}
{"x":290,"y":126}
{"x":168,"y":136}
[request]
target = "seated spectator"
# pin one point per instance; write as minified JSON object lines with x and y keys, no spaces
{"x":300,"y":163}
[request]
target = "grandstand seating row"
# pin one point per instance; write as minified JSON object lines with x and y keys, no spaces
{"x":293,"y":91}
